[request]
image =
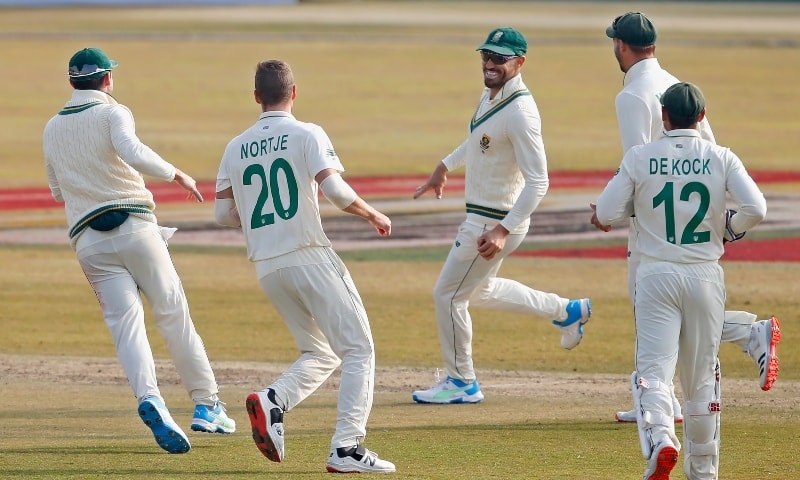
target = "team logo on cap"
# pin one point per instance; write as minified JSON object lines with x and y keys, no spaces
{"x":496,"y":37}
{"x":485,"y":139}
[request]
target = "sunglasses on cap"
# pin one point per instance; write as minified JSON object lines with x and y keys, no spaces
{"x":496,"y":58}
{"x":615,"y":22}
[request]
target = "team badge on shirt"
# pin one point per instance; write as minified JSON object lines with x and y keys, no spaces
{"x":485,"y":139}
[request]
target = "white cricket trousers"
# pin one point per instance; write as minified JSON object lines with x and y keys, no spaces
{"x":121,"y":263}
{"x":738,"y":324}
{"x":468,"y":279}
{"x":313,"y":291}
{"x":680,"y":309}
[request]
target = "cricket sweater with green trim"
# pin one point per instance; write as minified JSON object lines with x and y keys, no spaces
{"x":95,"y":161}
{"x":506,"y":166}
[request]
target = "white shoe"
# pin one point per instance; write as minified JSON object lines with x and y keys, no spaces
{"x":578,"y":313}
{"x":763,"y":348}
{"x":357,"y":459}
{"x":266,"y":420}
{"x":677,"y":413}
{"x":662,"y":461}
{"x":450,"y":390}
{"x":630,"y":415}
{"x":626,"y":417}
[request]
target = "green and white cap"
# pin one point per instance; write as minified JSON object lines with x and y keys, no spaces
{"x":505,"y":41}
{"x":633,"y":28}
{"x":90,"y":63}
{"x":684,"y":100}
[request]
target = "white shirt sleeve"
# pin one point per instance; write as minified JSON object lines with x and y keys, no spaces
{"x":457,"y":158}
{"x":745,"y":194}
{"x":634,"y":120}
{"x":526,"y":138}
{"x":320,"y":154}
{"x":615,"y":202}
{"x":52,"y":181}
{"x":132,"y":151}
{"x":223,"y":178}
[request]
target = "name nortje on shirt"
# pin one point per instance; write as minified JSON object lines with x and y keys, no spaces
{"x":264,"y":146}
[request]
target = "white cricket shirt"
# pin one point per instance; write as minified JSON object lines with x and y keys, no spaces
{"x":506,"y":166}
{"x":271,"y":167}
{"x":677,"y":186}
{"x":638,"y":104}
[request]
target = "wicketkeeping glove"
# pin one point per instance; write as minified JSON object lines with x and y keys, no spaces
{"x":729,"y":235}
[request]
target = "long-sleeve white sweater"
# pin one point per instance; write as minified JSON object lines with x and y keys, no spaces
{"x":95,"y":161}
{"x":506,"y":166}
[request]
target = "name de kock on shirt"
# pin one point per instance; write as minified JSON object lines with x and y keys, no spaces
{"x":677,"y":166}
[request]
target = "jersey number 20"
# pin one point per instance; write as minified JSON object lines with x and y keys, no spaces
{"x":285,"y":211}
{"x":667,"y":197}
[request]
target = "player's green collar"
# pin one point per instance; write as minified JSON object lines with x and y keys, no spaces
{"x":473,"y":124}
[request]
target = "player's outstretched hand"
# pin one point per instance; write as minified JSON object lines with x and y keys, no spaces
{"x":438,"y":188}
{"x":596,"y":222}
{"x":188,"y":184}
{"x":436,"y":182}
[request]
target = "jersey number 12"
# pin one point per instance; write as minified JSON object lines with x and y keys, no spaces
{"x":667,"y":197}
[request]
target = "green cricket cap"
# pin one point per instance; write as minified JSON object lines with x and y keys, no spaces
{"x":633,"y":28}
{"x":684,"y":100}
{"x":90,"y":63}
{"x":505,"y":41}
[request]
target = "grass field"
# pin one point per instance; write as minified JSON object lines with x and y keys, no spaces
{"x":68,"y":411}
{"x":394,"y":84}
{"x":547,"y":414}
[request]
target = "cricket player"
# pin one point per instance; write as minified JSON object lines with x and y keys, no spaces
{"x":677,"y":187}
{"x":639,"y":117}
{"x":268,"y":185}
{"x":94,"y":163}
{"x":506,"y":178}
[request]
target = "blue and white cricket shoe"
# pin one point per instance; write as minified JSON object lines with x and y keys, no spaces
{"x":167,"y":433}
{"x":578,"y":313}
{"x":212,"y":419}
{"x":450,"y":390}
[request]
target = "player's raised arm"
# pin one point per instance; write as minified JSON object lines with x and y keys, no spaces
{"x":342,"y":195}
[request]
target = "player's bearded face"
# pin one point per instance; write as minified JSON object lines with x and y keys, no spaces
{"x":495,"y":76}
{"x":618,"y":55}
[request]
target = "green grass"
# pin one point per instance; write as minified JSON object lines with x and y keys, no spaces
{"x":394,"y":98}
{"x":74,"y":429}
{"x":91,"y":432}
{"x":52,"y":310}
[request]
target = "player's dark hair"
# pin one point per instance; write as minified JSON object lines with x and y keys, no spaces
{"x":648,"y":50}
{"x":681,"y":122}
{"x":274,"y":82}
{"x":91,"y":84}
